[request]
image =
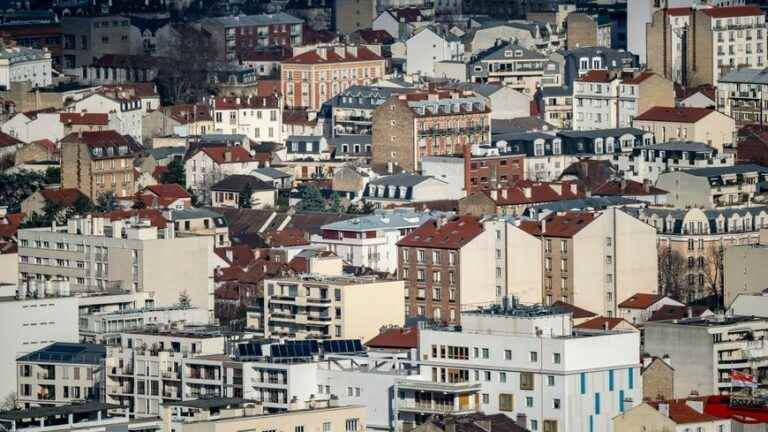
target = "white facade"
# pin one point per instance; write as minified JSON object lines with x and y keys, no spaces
{"x":426,"y":48}
{"x":36,"y":127}
{"x":128,"y":112}
{"x":738,"y":42}
{"x":648,"y":163}
{"x":31,"y":323}
{"x":18,"y":64}
{"x":275,"y":384}
{"x":202,"y":171}
{"x":247,"y":117}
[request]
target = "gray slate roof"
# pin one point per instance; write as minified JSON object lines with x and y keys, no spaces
{"x":400,"y":180}
{"x":599,"y":133}
{"x":61,"y":352}
{"x":271,"y":172}
{"x":747,"y":75}
{"x":396,"y":219}
{"x":255,"y":20}
{"x":686,"y":146}
{"x":725,"y":170}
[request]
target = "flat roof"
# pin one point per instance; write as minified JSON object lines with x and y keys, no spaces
{"x":208,"y":403}
{"x":55,"y":411}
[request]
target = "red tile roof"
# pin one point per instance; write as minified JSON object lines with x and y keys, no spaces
{"x":409,"y":14}
{"x":637,"y":79}
{"x":681,"y":413}
{"x":171,"y":190}
{"x":672,"y":312}
{"x":442,"y":234}
{"x":576,"y":312}
{"x":395,"y":338}
{"x":10,"y":224}
{"x":675,"y":115}
{"x":47,"y":144}
{"x":313,"y":57}
{"x":8,"y":141}
{"x":228,"y":274}
{"x":100,"y":119}
{"x":241,"y":255}
{"x":285,"y":237}
{"x":601,"y":323}
{"x":64,"y":197}
{"x":627,"y":187}
{"x":375,"y":36}
{"x":154,"y":216}
{"x":251,"y":102}
{"x":530,"y":192}
{"x":189,"y":113}
{"x":602,"y":76}
{"x":733,"y":11}
{"x":640,"y":301}
{"x":679,"y":11}
{"x":218,"y":154}
{"x":563,"y":224}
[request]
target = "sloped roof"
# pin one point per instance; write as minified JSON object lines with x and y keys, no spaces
{"x":8,"y":141}
{"x":627,"y":187}
{"x":732,"y":11}
{"x":561,"y":225}
{"x":239,"y":183}
{"x":442,"y":234}
{"x":672,"y":312}
{"x":219,"y":154}
{"x":675,"y":115}
{"x":64,"y":197}
{"x":396,"y":338}
{"x":640,"y":301}
{"x":681,"y":413}
{"x":576,"y":312}
{"x":82,"y":118}
{"x":313,"y":57}
{"x":601,"y":323}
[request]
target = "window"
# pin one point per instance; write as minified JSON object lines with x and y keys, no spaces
{"x":610,"y":380}
{"x":555,"y":403}
{"x":352,"y":425}
{"x":502,"y":377}
{"x":506,"y":402}
{"x":327,"y":427}
{"x":550,"y":425}
{"x":534,"y":356}
{"x":486,"y":353}
{"x":583,"y":382}
{"x":486,"y":399}
{"x":487,"y":376}
{"x":298,"y":428}
{"x":529,"y":401}
{"x":556,"y":358}
{"x":526,"y":380}
{"x":551,"y":380}
{"x":507,"y":354}
{"x":597,"y":403}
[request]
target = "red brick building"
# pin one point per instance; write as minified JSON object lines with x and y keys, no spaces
{"x":484,"y":170}
{"x":235,"y":35}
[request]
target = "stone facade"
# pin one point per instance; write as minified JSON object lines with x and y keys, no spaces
{"x":658,"y":380}
{"x":582,"y":30}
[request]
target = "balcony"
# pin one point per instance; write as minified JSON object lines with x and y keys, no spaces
{"x":171,"y":375}
{"x":433,"y":407}
{"x":324,"y":300}
{"x":429,"y":386}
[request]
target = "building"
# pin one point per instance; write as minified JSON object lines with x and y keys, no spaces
{"x":678,"y":415}
{"x":639,"y":308}
{"x":260,"y":118}
{"x":352,"y":112}
{"x":743,"y":271}
{"x":409,"y":127}
{"x":99,"y":162}
{"x":311,"y":78}
{"x":649,"y":162}
{"x":232,"y":191}
{"x":106,"y":326}
{"x":512,"y":65}
{"x":606,"y":99}
{"x":126,"y":108}
{"x":688,"y":124}
{"x":526,"y":363}
{"x":37,"y":315}
{"x":719,"y":344}
{"x":121,"y":253}
{"x":165,"y":196}
{"x":91,"y":415}
{"x":90,"y":37}
{"x":354,"y":15}
{"x":713,"y":187}
{"x":575,"y":62}
{"x":742,"y":94}
{"x":60,"y":374}
{"x":63,"y":198}
{"x":234,"y":35}
{"x":314,"y":306}
{"x":695,"y":46}
{"x":595,"y":260}
{"x":555,"y":104}
{"x":207,"y":166}
{"x":371,"y":240}
{"x":202,"y":222}
{"x":516,"y":198}
{"x":441,"y":47}
{"x":396,"y":190}
{"x":19,"y":64}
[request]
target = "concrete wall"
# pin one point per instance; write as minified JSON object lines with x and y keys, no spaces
{"x":368,"y":307}
{"x":744,"y":271}
{"x":524,"y":265}
{"x":683,"y":343}
{"x":685,"y":190}
{"x":9,"y":268}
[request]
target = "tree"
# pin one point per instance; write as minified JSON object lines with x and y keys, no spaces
{"x":15,"y":188}
{"x":185,"y":300}
{"x":10,"y":402}
{"x":175,"y":174}
{"x":336,"y":206}
{"x":245,"y":196}
{"x":138,"y":204}
{"x":82,"y":205}
{"x":183,"y":75}
{"x":106,"y":202}
{"x":712,"y":269}
{"x":53,"y":175}
{"x":672,"y":271}
{"x":311,"y":200}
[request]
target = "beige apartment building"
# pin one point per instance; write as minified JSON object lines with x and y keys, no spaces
{"x":332,"y":306}
{"x":688,"y":124}
{"x":147,"y":368}
{"x":121,"y":253}
{"x":595,"y":260}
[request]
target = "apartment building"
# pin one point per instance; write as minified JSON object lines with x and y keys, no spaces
{"x":206,"y":166}
{"x":352,"y":109}
{"x":99,"y":162}
{"x":451,"y":264}
{"x":90,"y":415}
{"x":313,"y":77}
{"x":120,"y":253}
{"x":648,"y":162}
{"x":60,"y":374}
{"x":330,"y":306}
{"x":38,"y":315}
{"x":556,"y":105}
{"x":719,"y":344}
{"x":595,"y":260}
{"x":105,"y":327}
{"x":679,"y":415}
{"x":606,"y":99}
{"x":19,"y":64}
{"x":371,"y":240}
{"x":443,"y":47}
{"x":90,"y":37}
{"x":696,"y":46}
{"x":713,"y":187}
{"x":235,"y":35}
{"x":260,"y":118}
{"x":409,"y":127}
{"x":147,"y":368}
{"x":529,"y":364}
{"x":705,"y":125}
{"x":512,"y":65}
{"x":699,"y":237}
{"x":126,"y":109}
{"x":743,"y":95}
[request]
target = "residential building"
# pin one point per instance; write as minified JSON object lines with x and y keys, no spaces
{"x":146,"y":369}
{"x":677,"y":415}
{"x":311,"y":78}
{"x":396,"y":190}
{"x":105,"y":327}
{"x":260,"y":118}
{"x":206,"y":166}
{"x":99,"y":162}
{"x":354,"y":15}
{"x":19,"y":64}
{"x":743,"y":270}
{"x":505,"y":102}
{"x":555,"y":105}
{"x":281,"y":180}
{"x":658,"y":378}
{"x":631,"y":190}
{"x":575,"y":62}
{"x":46,"y":35}
{"x":90,"y":37}
{"x":302,"y":147}
{"x":91,"y":415}
{"x":352,"y":112}
{"x":400,"y":21}
{"x":695,"y":46}
{"x":688,"y":124}
{"x":691,"y":244}
{"x":202,"y":222}
{"x":63,"y":198}
{"x":165,"y":196}
{"x":649,"y":162}
{"x":119,"y":252}
{"x":595,"y":260}
{"x":638,"y":308}
{"x":534,"y":35}
{"x":605,"y":99}
{"x":713,"y":187}
{"x":371,"y":240}
{"x":719,"y":344}
{"x":511,"y":65}
{"x":60,"y":374}
{"x":426,"y":47}
{"x":315,"y":306}
{"x":231,"y":191}
{"x":409,"y":127}
{"x":234,"y":35}
{"x":127,"y":109}
{"x":515,"y":198}
{"x":743,"y":95}
{"x":526,"y":363}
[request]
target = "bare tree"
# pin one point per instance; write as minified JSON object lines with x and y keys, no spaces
{"x":712,"y":269}
{"x":672,"y":271}
{"x":10,"y":402}
{"x":183,"y":75}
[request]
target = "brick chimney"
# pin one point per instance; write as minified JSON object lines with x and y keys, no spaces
{"x":227,"y":155}
{"x":527,"y":192}
{"x":557,"y":187}
{"x":322,"y":52}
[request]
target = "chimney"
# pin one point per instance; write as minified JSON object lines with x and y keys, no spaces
{"x":322,"y":52}
{"x":3,"y":211}
{"x":689,"y":312}
{"x":647,"y":361}
{"x":605,"y":325}
{"x":664,"y":409}
{"x":574,"y":188}
{"x":544,"y":225}
{"x":504,"y":193}
{"x":646,"y":185}
{"x":623,"y":184}
{"x":666,"y":359}
{"x":527,"y":192}
{"x":557,"y":187}
{"x":227,"y":155}
{"x":494,"y":194}
{"x":340,"y":51}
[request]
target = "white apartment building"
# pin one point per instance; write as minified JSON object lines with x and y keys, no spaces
{"x":106,"y":327}
{"x":146,"y":368}
{"x":128,"y":112}
{"x":648,"y":162}
{"x":260,"y":118}
{"x":743,"y":95}
{"x":208,"y":165}
{"x":426,"y":48}
{"x":739,"y":39}
{"x":371,"y":240}
{"x":31,"y":320}
{"x":20,"y":64}
{"x":333,"y":306}
{"x":529,"y":364}
{"x":129,"y":255}
{"x":719,"y":344}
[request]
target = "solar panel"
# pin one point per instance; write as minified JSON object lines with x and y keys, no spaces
{"x":249,"y":350}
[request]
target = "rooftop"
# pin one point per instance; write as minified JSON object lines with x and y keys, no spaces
{"x":444,"y":233}
{"x":675,"y":115}
{"x":384,"y":219}
{"x":63,"y":410}
{"x":641,"y":301}
{"x":728,"y":170}
{"x":256,"y":20}
{"x":60,"y":352}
